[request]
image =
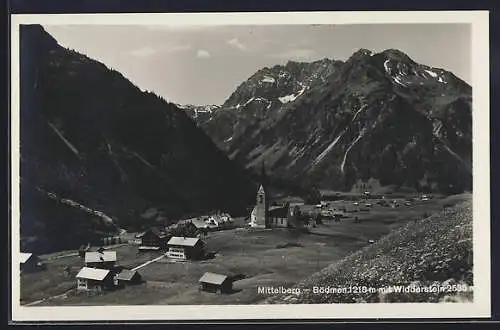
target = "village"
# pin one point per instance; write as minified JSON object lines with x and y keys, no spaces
{"x":217,"y":259}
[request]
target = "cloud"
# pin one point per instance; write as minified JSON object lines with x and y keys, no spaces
{"x":295,"y":54}
{"x":236,"y":44}
{"x":202,"y":54}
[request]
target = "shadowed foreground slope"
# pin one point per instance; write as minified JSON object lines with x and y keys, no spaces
{"x":433,"y":251}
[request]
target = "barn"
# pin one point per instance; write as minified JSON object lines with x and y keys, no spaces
{"x":103,"y":259}
{"x":278,"y":216}
{"x":153,"y":237}
{"x":217,"y":283}
{"x":185,"y":248}
{"x":127,"y":277}
{"x":93,"y":279}
{"x":29,"y":262}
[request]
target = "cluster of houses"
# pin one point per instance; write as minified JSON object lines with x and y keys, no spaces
{"x":101,"y":272}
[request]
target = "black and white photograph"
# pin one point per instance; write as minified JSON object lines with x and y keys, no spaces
{"x":284,"y":165}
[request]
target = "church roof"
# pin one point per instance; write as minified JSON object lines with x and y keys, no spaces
{"x":261,"y":190}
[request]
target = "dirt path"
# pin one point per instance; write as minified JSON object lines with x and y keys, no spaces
{"x":62,"y":295}
{"x":149,"y":262}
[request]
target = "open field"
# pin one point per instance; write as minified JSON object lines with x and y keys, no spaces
{"x":257,"y":255}
{"x":433,"y":252}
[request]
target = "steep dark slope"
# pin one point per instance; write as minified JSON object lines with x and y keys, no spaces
{"x":90,"y":136}
{"x":376,"y":116}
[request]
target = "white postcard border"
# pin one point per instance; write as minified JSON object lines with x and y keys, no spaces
{"x":481,"y":307}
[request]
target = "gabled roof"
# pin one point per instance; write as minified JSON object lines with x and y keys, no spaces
{"x":199,"y":223}
{"x":126,"y":275}
{"x":213,"y":278}
{"x":261,"y":190}
{"x":100,"y":257}
{"x":183,"y":241}
{"x":155,"y":231}
{"x":92,"y":273}
{"x":25,"y":257}
{"x":278,"y":211}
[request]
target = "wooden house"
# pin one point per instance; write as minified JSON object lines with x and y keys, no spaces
{"x":102,"y":260}
{"x":153,"y":237}
{"x":185,"y":248}
{"x":127,"y":277}
{"x":30,"y":263}
{"x":216,"y":283}
{"x":93,"y":279}
{"x":278,"y":216}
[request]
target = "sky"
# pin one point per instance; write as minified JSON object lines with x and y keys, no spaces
{"x":204,"y":64}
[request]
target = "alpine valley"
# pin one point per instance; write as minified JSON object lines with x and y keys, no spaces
{"x":100,"y":155}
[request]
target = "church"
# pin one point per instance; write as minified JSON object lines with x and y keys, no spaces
{"x":264,"y":216}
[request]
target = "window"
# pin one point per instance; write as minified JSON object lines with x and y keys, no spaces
{"x":281,"y":220}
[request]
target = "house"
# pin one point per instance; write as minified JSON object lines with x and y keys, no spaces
{"x":217,"y":283}
{"x":93,"y":279}
{"x":153,"y":237}
{"x":29,"y":263}
{"x":185,"y":248}
{"x":102,"y":260}
{"x":127,"y":277}
{"x":278,"y":216}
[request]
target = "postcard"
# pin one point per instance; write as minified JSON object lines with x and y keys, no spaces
{"x":250,"y":166}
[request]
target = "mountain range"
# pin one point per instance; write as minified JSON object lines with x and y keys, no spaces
{"x":377,"y":117}
{"x":99,"y":155}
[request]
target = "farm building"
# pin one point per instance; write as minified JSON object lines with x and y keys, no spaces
{"x":103,"y":259}
{"x":185,"y":248}
{"x":127,"y":277}
{"x":153,"y":237}
{"x":93,"y":279}
{"x":278,"y":216}
{"x":29,"y":263}
{"x":217,"y":283}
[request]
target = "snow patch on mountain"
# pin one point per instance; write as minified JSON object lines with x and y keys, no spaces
{"x":292,"y":97}
{"x":361,"y":134}
{"x":441,"y":80}
{"x":386,"y":66}
{"x":327,"y":149}
{"x":268,"y":79}
{"x":432,"y":73}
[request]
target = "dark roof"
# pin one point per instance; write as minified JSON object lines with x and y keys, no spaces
{"x":213,"y":278}
{"x":278,"y":211}
{"x":126,"y":275}
{"x":155,"y":231}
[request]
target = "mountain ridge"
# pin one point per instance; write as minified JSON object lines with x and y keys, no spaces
{"x":343,"y":108}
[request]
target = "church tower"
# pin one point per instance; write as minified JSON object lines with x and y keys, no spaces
{"x":260,"y":213}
